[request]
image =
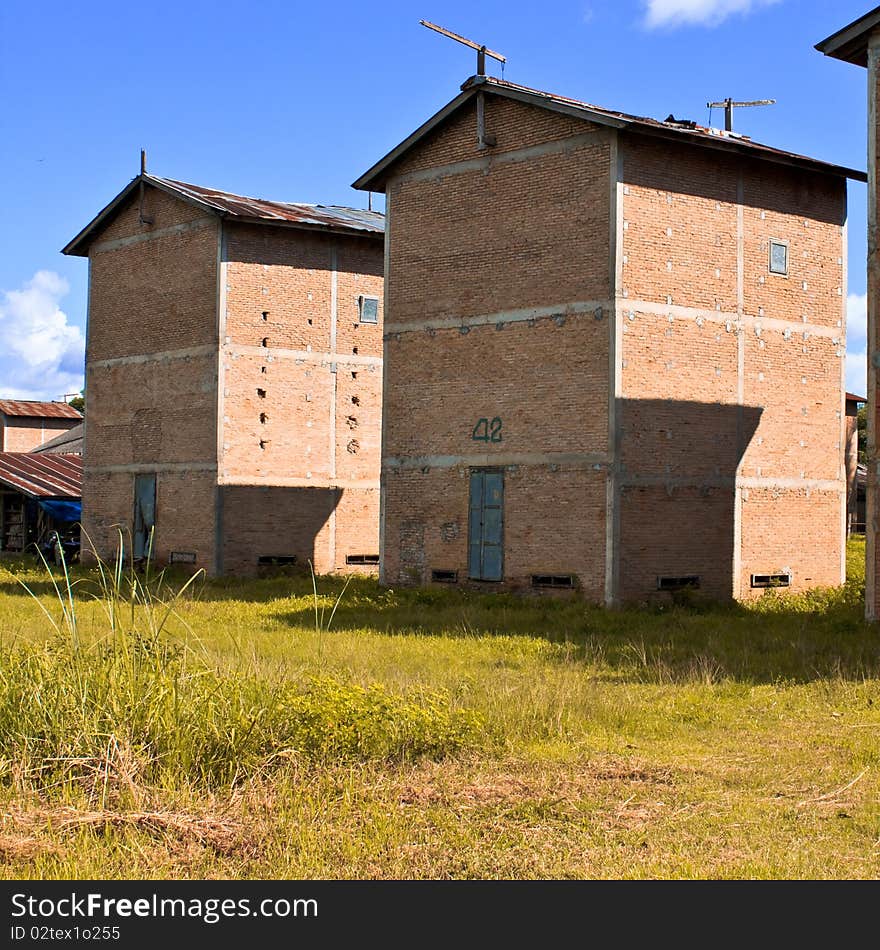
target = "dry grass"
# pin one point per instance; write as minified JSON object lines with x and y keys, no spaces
{"x":694,"y":742}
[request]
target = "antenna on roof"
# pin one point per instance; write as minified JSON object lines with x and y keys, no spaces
{"x":729,"y":105}
{"x":482,"y":51}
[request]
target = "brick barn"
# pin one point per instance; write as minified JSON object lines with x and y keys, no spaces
{"x":613,"y":353}
{"x":233,"y":378}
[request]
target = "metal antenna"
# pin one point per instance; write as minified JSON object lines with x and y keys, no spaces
{"x":729,"y":105}
{"x":482,"y":51}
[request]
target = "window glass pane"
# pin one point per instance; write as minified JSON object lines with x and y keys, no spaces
{"x":369,"y":310}
{"x":778,"y":258}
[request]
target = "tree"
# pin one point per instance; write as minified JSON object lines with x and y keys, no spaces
{"x":79,"y":402}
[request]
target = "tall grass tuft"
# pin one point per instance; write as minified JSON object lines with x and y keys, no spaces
{"x":141,"y":705}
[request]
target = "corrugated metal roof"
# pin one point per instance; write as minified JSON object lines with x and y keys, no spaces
{"x":39,"y":410}
{"x":320,"y":216}
{"x":227,"y":205}
{"x":42,"y":476}
{"x":688,"y":132}
{"x":69,"y":442}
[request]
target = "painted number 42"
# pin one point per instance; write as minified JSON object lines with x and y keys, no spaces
{"x":487,"y":430}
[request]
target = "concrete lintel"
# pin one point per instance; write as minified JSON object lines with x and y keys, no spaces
{"x":166,"y":356}
{"x":729,"y":481}
{"x":597,"y":460}
{"x":149,"y":467}
{"x":197,"y":225}
{"x":573,"y":308}
{"x":557,"y":147}
{"x":234,"y":349}
{"x":350,"y":484}
{"x":729,"y":316}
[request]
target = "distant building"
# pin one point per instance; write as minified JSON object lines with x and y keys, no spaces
{"x":613,"y":353}
{"x":27,"y":423}
{"x":855,"y":481}
{"x":68,"y":443}
{"x":233,"y":379}
{"x":38,"y":494}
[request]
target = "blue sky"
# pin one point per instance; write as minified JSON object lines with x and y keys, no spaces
{"x":293,"y":101}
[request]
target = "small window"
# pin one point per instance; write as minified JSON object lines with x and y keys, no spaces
{"x":553,"y":580}
{"x":369,"y":309}
{"x":771,"y":580}
{"x":361,"y":558}
{"x":779,"y":258}
{"x":685,"y":582}
{"x":444,"y":577}
{"x":279,"y":559}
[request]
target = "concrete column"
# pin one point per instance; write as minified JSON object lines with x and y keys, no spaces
{"x":872,"y":567}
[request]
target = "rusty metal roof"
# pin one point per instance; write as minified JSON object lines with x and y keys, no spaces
{"x":229,"y":206}
{"x":850,"y":43}
{"x":42,"y":476}
{"x":686,"y":132}
{"x":69,"y":442}
{"x":39,"y":410}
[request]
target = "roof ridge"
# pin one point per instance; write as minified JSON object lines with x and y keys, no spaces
{"x":272,"y":201}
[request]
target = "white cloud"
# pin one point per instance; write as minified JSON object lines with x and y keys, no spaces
{"x":857,"y":344}
{"x":696,"y":12}
{"x":41,"y":354}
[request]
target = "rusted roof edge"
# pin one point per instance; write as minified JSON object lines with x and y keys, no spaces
{"x":372,"y":179}
{"x":79,"y":246}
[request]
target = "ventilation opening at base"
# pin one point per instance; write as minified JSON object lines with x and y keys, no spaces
{"x":552,"y":580}
{"x":276,"y":559}
{"x":771,"y":580}
{"x":685,"y":582}
{"x":361,"y":558}
{"x":182,"y":557}
{"x":444,"y":577}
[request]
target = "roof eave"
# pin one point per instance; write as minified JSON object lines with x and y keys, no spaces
{"x":79,"y":246}
{"x":305,"y":226}
{"x":850,"y":44}
{"x":749,"y":151}
{"x":372,"y":180}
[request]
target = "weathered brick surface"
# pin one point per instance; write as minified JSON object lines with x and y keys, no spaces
{"x":184,"y":514}
{"x":716,"y":359}
{"x":296,"y":458}
{"x":695,"y":420}
{"x":771,"y":545}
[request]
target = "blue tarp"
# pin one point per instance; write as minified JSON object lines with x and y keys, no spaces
{"x":62,"y":510}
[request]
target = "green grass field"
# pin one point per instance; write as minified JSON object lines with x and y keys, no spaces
{"x":434,"y":734}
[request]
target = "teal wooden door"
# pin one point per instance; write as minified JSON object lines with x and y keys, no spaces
{"x":486,"y":527}
{"x":144,"y":514}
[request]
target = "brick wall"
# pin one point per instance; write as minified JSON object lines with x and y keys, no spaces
{"x":497,"y":302}
{"x":26,"y":433}
{"x":302,"y":392}
{"x":151,"y":383}
{"x":741,"y":370}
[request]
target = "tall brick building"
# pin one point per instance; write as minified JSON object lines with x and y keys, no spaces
{"x":233,"y":378}
{"x":859,"y":43}
{"x":613,"y":353}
